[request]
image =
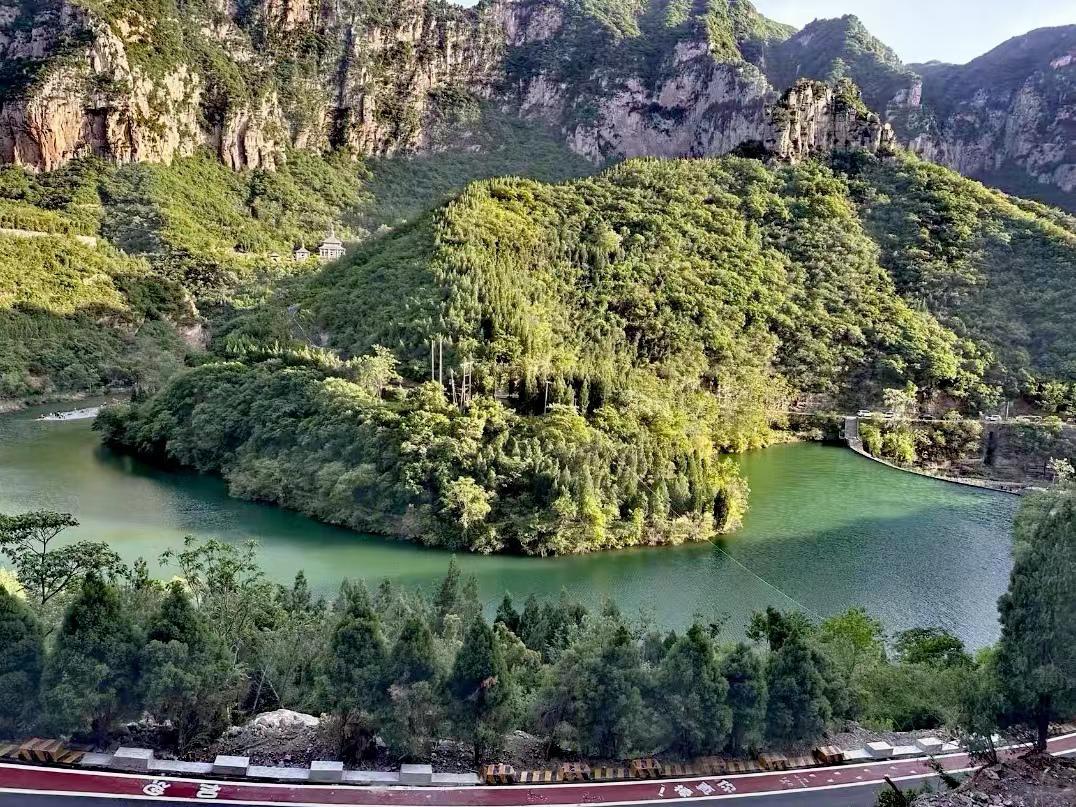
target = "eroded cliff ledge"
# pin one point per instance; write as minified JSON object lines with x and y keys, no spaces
{"x":670,"y":79}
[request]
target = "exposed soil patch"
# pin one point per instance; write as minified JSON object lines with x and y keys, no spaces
{"x":1034,"y":780}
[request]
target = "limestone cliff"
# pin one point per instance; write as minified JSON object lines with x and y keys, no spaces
{"x":1008,"y":117}
{"x":135,"y":82}
{"x":1005,"y":117}
{"x":668,"y":84}
{"x":248,"y":83}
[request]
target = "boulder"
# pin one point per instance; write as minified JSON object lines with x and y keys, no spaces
{"x":283,"y":719}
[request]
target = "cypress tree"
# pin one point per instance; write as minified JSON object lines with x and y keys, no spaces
{"x":531,"y":624}
{"x":797,"y":708}
{"x":692,"y":693}
{"x":356,"y":671}
{"x":1037,"y":651}
{"x":22,"y":654}
{"x":412,"y":657}
{"x":177,"y":621}
{"x":507,"y":614}
{"x":90,"y":678}
{"x":447,"y":598}
{"x":480,"y":688}
{"x":746,"y":676}
{"x":415,"y":702}
{"x":188,"y":678}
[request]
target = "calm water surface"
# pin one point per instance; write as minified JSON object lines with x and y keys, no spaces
{"x":826,"y":530}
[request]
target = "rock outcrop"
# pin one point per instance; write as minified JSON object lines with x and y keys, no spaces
{"x":1005,"y":117}
{"x":1008,"y":117}
{"x":252,"y":80}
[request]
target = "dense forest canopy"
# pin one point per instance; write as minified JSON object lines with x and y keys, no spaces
{"x":598,"y":345}
{"x":106,"y":265}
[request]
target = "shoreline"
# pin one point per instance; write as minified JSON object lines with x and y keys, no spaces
{"x":11,"y":405}
{"x":1011,"y":488}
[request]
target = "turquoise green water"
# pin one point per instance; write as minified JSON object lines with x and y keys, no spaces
{"x":826,"y":530}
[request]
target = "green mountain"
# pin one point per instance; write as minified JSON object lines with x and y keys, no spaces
{"x":110,"y":267}
{"x":829,"y":50}
{"x":598,"y":345}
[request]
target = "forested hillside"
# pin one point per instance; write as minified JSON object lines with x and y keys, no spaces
{"x":598,"y":345}
{"x":105,"y":266}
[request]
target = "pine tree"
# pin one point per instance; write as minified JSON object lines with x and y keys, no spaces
{"x":480,"y":689}
{"x":797,"y":708}
{"x":356,"y":671}
{"x":692,"y":694}
{"x":90,"y":678}
{"x":22,"y":654}
{"x":188,"y":678}
{"x":413,"y":656}
{"x":746,"y":676}
{"x":1037,"y":651}
{"x":507,"y":614}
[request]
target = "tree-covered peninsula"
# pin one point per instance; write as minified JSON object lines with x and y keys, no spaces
{"x":562,"y":368}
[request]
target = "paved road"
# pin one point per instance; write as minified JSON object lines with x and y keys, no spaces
{"x":862,"y":796}
{"x":839,"y":786}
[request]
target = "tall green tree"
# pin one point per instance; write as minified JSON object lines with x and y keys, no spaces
{"x":45,"y":568}
{"x":480,"y":687}
{"x":595,"y":689}
{"x":91,"y":676}
{"x":507,"y":614}
{"x":797,"y":708}
{"x":1037,"y":651}
{"x":447,"y":599}
{"x":745,"y":673}
{"x":691,"y":693}
{"x":854,"y":639}
{"x":22,"y":656}
{"x":776,"y":627}
{"x":357,"y":671}
{"x":415,"y":702}
{"x":937,"y":647}
{"x":188,"y":677}
{"x":228,"y":586}
{"x":413,"y":657}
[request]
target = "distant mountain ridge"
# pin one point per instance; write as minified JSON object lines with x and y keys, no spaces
{"x":616,"y":78}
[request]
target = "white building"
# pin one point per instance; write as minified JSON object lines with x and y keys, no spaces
{"x":301,"y":253}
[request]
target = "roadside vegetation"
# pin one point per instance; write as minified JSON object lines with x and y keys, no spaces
{"x":87,"y":643}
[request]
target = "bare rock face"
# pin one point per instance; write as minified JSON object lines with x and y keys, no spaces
{"x":382,"y":81}
{"x":1030,"y":127}
{"x":698,"y":106}
{"x":704,"y":108}
{"x":813,"y":117}
{"x":1007,"y":117}
{"x":92,"y":100}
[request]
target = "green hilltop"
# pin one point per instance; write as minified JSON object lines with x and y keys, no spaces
{"x":179,"y":244}
{"x":601,"y":344}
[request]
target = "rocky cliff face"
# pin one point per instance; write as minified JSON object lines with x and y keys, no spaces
{"x":246,"y":84}
{"x":1008,"y":117}
{"x":686,"y":92}
{"x":251,"y":80}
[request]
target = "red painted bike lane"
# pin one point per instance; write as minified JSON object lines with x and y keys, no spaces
{"x":53,"y":781}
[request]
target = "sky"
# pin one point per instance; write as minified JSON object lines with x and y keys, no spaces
{"x":921,"y":30}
